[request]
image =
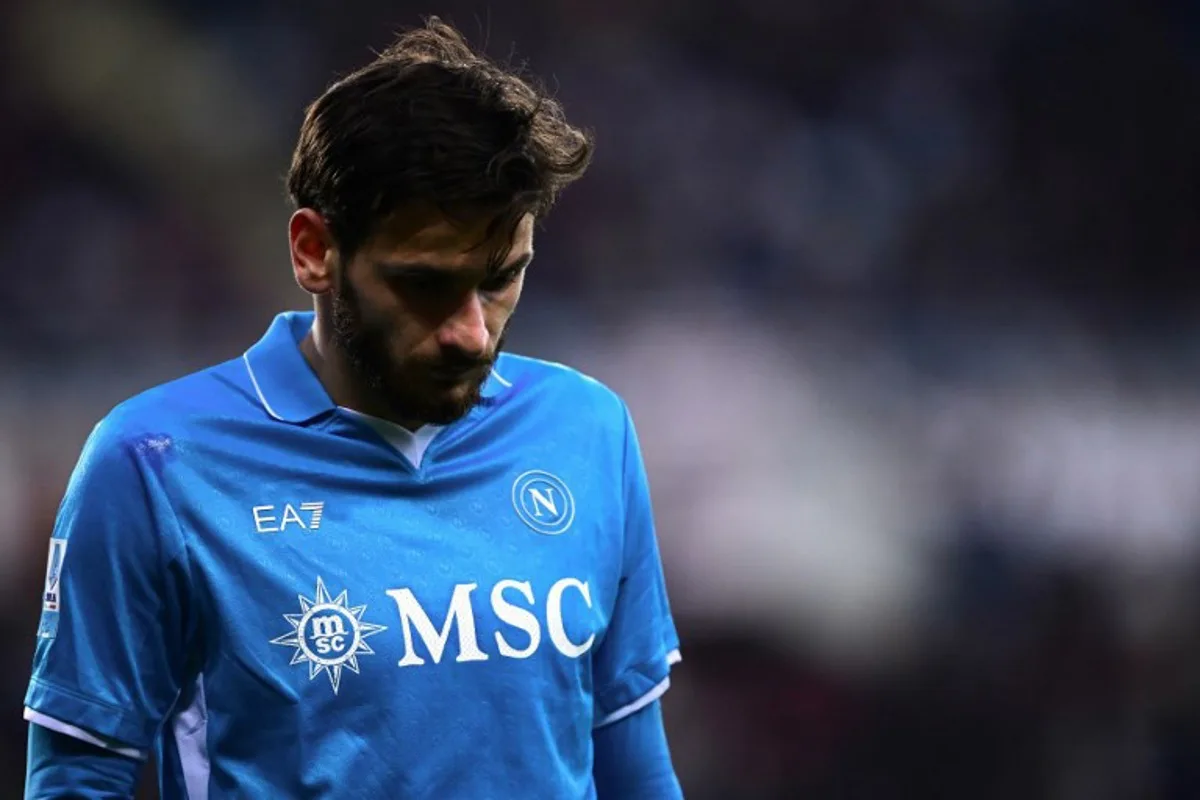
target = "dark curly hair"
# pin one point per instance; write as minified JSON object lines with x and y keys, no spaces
{"x":432,"y":122}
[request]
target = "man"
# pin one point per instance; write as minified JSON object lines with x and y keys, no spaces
{"x":371,"y":557}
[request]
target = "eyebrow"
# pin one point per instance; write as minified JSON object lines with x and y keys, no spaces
{"x":424,"y":269}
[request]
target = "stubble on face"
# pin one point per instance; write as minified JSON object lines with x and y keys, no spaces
{"x":396,"y":359}
{"x":404,"y":389}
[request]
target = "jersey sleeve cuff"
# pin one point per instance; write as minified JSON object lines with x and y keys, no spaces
{"x":637,"y":705}
{"x":58,"y":726}
{"x":635,"y":690}
{"x":114,"y":727}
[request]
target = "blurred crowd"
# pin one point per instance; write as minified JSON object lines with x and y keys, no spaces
{"x":902,"y":297}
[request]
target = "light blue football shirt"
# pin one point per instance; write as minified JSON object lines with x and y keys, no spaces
{"x":269,"y":594}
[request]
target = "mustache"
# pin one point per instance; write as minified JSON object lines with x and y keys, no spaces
{"x":458,"y":363}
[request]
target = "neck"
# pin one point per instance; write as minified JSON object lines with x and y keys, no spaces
{"x":339,"y":380}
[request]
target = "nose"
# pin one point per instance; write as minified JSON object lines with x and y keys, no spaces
{"x":465,"y":329}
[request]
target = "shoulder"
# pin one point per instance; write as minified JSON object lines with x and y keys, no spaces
{"x":178,"y":409}
{"x":562,"y":388}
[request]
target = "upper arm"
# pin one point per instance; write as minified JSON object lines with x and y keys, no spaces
{"x":111,"y":647}
{"x":633,"y":662}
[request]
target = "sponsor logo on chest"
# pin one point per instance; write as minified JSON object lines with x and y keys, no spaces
{"x":329,"y":634}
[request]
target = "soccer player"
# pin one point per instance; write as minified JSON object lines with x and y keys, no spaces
{"x":373,"y":556}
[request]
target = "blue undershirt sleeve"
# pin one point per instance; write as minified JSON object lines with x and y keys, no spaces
{"x":632,"y":759}
{"x":61,"y":766}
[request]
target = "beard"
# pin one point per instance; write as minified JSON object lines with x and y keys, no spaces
{"x":407,"y":389}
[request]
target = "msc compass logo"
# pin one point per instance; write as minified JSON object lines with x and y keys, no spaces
{"x":543,"y":502}
{"x":329,"y":635}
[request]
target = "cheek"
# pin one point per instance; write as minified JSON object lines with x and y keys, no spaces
{"x":376,"y":302}
{"x":501,"y":308}
{"x":392,"y":323}
{"x":508,"y":299}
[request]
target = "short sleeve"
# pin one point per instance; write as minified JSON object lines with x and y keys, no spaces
{"x":111,"y":645}
{"x":633,"y":662}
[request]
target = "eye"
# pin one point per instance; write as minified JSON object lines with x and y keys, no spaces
{"x":501,"y":280}
{"x":424,"y":283}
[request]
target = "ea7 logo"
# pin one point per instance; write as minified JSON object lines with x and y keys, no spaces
{"x":274,"y":519}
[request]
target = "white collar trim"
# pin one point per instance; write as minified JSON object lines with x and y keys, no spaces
{"x":410,"y":444}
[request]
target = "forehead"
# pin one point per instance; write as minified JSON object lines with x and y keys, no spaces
{"x":432,"y":238}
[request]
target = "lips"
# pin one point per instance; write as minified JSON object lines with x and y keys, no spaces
{"x":453,"y":376}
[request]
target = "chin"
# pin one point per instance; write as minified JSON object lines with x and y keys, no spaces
{"x":448,"y":405}
{"x":446,"y":414}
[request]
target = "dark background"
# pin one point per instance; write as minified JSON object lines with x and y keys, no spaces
{"x":902,"y":296}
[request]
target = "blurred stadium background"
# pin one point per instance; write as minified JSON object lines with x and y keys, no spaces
{"x":902,"y":295}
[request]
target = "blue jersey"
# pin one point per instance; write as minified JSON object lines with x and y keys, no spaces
{"x":282,"y":599}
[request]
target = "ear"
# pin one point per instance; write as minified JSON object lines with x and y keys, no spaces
{"x":314,"y":254}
